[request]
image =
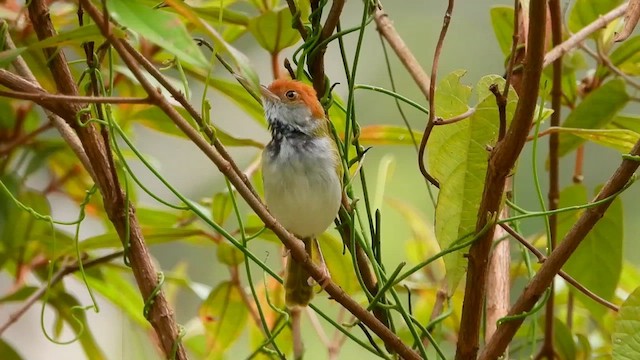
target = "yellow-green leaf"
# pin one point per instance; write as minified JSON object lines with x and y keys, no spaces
{"x":626,"y":336}
{"x":224,"y":316}
{"x":387,"y":135}
{"x":273,"y":30}
{"x":618,"y":139}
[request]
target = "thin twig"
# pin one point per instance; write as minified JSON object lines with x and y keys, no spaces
{"x":465,"y":115}
{"x":607,"y":62}
{"x":501,"y":161}
{"x":56,"y":278}
{"x":24,"y":139}
{"x":573,"y":42}
{"x":552,"y":266}
{"x":46,"y":97}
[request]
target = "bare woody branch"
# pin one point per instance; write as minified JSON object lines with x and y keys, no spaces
{"x":244,"y":189}
{"x":631,"y":18}
{"x":501,"y":161}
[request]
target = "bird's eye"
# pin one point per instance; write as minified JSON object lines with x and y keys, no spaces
{"x":291,"y":95}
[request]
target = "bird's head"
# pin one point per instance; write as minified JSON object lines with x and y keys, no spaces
{"x":293,"y":104}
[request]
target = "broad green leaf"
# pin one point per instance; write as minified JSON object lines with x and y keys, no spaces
{"x":339,"y":264}
{"x":68,"y":309}
{"x":154,"y":118}
{"x":626,"y":121}
{"x":236,"y":93}
{"x":211,"y":11}
{"x":77,"y":35}
{"x":151,"y":236}
{"x":457,"y":157}
{"x":241,"y":61}
{"x":424,"y":243}
{"x":273,"y":30}
{"x":229,"y":254}
{"x":626,"y":336}
{"x":594,"y":112}
{"x":160,"y":27}
{"x":224,"y":315}
{"x":585,"y":12}
{"x":8,"y":353}
{"x":602,"y":246}
{"x":502,"y":22}
{"x":626,"y":57}
{"x":19,"y":295}
{"x":565,"y":346}
{"x":618,"y":139}
{"x":112,"y":285}
{"x":221,"y":207}
{"x":387,"y":135}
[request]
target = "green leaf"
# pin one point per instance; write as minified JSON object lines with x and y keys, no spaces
{"x":387,"y":135}
{"x":626,"y":57}
{"x":241,"y":61}
{"x":585,"y":12}
{"x":160,"y":27}
{"x":264,"y":5}
{"x":594,"y":112}
{"x":229,"y":254}
{"x":77,"y":35}
{"x":626,"y":336}
{"x":112,"y":285}
{"x":502,"y":22}
{"x":154,"y":118}
{"x":602,"y":246}
{"x":7,"y":56}
{"x":19,"y":295}
{"x":152,"y":236}
{"x":457,"y":157}
{"x":8,"y":353}
{"x":221,"y":207}
{"x":618,"y":139}
{"x":224,"y":316}
{"x":565,"y":346}
{"x":626,"y":121}
{"x":273,"y":30}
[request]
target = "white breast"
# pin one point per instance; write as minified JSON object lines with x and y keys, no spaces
{"x":302,"y":189}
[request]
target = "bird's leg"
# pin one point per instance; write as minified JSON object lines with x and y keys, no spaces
{"x":318,"y":259}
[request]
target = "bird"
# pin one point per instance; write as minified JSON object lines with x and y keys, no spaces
{"x":301,"y":174}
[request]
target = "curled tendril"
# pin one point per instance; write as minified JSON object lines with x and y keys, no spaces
{"x":149,"y":301}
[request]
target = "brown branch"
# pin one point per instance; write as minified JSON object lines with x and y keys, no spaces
{"x":297,"y":251}
{"x":385,"y":27}
{"x":297,"y":23}
{"x":541,"y":259}
{"x":465,"y":115}
{"x":541,"y":281}
{"x":315,"y":62}
{"x":501,"y":161}
{"x":123,"y":217}
{"x":630,"y":20}
{"x":547,"y":350}
{"x":581,"y":35}
{"x":56,"y":278}
{"x":604,"y":59}
{"x":43,"y":97}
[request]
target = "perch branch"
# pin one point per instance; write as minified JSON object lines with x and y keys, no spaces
{"x":294,"y":245}
{"x":630,"y":20}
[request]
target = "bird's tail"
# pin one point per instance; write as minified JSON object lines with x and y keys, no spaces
{"x":297,"y":284}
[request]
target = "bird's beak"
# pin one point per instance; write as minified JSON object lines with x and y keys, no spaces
{"x":267,"y":94}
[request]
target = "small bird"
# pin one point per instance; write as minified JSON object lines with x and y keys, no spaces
{"x":302,"y":175}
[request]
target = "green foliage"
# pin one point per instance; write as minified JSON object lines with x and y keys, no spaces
{"x":458,"y":159}
{"x":626,"y":337}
